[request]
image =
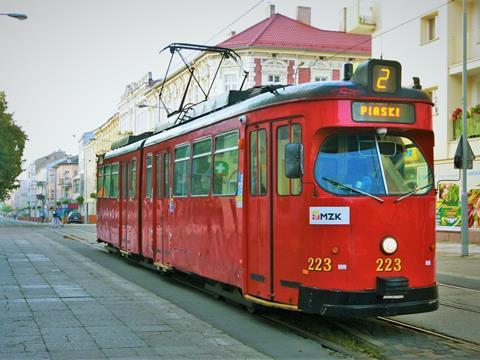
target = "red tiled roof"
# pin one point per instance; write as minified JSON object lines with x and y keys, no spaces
{"x":279,"y":31}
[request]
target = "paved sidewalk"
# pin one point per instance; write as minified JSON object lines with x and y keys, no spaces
{"x":454,"y":269}
{"x":57,"y":304}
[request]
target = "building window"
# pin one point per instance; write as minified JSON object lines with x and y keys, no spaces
{"x":321,"y":78}
{"x":429,"y":28}
{"x":273,"y":79}
{"x":76,"y":185}
{"x":230,"y":81}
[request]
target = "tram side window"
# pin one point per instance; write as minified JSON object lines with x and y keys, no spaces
{"x":159,"y":167}
{"x":166,"y":172}
{"x":202,"y":167}
{"x":100,"y":189}
{"x":258,"y":162}
{"x":226,"y":164}
{"x":106,"y":180}
{"x":114,"y":186}
{"x":181,"y":170}
{"x":133,"y":179}
{"x":124,"y":188}
{"x":148,"y":176}
{"x":285,"y":134}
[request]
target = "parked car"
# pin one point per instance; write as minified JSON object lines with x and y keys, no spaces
{"x":74,"y":217}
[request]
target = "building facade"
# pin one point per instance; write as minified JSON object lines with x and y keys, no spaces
{"x":39,"y":197}
{"x":66,"y":171}
{"x":106,"y":134}
{"x":277,"y":50}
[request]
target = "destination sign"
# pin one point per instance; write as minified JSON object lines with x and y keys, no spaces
{"x":383,"y":112}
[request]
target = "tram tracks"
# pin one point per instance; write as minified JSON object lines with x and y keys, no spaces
{"x":460,"y":306}
{"x":459,"y":287}
{"x":352,"y":338}
{"x":430,"y":332}
{"x":376,"y":338}
{"x":322,"y":340}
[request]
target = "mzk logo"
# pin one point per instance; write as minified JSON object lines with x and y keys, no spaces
{"x":329,"y":215}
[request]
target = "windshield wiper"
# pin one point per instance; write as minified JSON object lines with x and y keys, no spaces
{"x":352,"y":189}
{"x":410,"y":193}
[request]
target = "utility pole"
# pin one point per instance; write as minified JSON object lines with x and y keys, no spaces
{"x":464,"y":232}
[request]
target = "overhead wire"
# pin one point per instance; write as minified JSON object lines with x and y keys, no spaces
{"x":188,"y":57}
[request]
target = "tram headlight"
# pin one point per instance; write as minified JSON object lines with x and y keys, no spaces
{"x":389,"y":245}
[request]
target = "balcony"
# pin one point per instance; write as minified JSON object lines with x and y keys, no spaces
{"x":473,"y":123}
{"x":360,"y":17}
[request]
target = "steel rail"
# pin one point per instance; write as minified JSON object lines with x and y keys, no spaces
{"x":429,"y":332}
{"x":458,"y":287}
{"x":322,"y":341}
{"x":460,"y":306}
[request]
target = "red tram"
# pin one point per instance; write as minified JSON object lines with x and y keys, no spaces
{"x":316,"y":197}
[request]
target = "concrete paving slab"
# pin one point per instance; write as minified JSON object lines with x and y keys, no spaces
{"x":77,"y":354}
{"x":74,"y":308}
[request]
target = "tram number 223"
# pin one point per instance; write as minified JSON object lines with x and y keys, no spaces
{"x":387,"y":265}
{"x":319,"y":264}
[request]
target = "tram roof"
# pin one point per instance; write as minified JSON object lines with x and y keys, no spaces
{"x":278,"y":95}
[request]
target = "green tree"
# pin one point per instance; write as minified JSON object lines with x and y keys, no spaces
{"x":4,"y":208}
{"x":12,"y":144}
{"x":80,"y":200}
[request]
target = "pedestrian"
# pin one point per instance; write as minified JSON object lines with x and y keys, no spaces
{"x":56,"y":218}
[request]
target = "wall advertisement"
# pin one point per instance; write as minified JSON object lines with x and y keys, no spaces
{"x":449,"y":208}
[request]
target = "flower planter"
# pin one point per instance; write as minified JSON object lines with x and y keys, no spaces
{"x":457,"y":128}
{"x":474,"y":125}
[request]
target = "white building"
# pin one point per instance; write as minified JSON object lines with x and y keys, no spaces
{"x":426,"y":38}
{"x":135,"y":119}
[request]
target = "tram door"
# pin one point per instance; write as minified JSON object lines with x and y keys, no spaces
{"x":131,"y":209}
{"x":161,"y":211}
{"x":147,"y":209}
{"x":123,"y":205}
{"x":288,"y":217}
{"x":259,"y":213}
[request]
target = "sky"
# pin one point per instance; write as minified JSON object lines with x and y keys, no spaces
{"x":65,"y":68}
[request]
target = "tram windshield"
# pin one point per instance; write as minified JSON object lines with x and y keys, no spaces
{"x":369,"y":165}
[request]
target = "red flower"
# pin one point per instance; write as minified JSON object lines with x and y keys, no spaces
{"x":456,"y":114}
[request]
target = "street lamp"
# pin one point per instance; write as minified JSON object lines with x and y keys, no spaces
{"x":16,"y":16}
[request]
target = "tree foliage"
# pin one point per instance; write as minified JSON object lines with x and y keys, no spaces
{"x":12,"y":144}
{"x":4,"y":208}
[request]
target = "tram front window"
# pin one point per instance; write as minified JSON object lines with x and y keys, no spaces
{"x":351,"y":164}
